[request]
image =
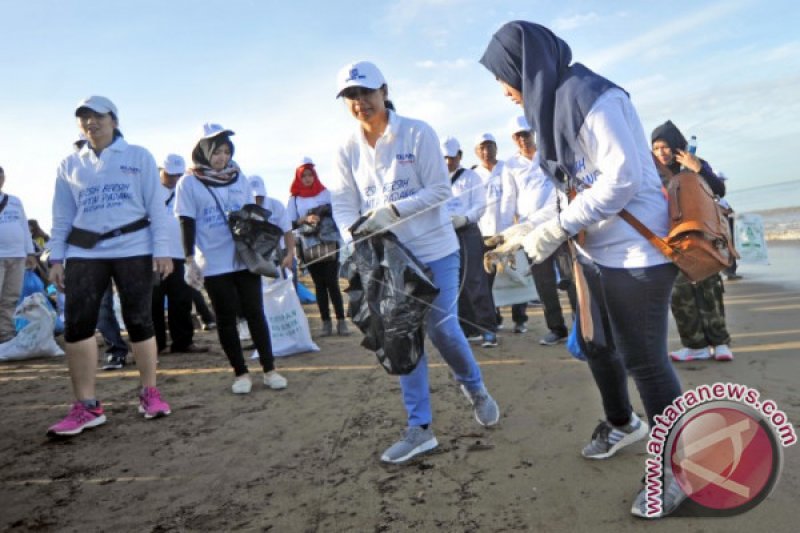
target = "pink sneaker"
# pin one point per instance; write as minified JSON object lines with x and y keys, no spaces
{"x":79,"y":418}
{"x":723,"y":353}
{"x":151,"y":405}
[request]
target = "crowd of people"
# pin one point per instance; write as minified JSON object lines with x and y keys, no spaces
{"x":151,"y":234}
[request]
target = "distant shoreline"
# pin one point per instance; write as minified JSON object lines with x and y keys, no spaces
{"x":781,"y":224}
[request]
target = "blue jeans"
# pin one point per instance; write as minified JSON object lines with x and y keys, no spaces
{"x":630,"y":309}
{"x":445,"y":332}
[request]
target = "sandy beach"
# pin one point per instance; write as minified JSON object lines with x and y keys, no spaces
{"x":307,"y":459}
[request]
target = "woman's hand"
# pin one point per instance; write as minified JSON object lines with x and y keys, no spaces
{"x":690,"y":161}
{"x":287,"y":261}
{"x":192,"y":274}
{"x":544,"y":240}
{"x":56,"y":276}
{"x":162,"y":265}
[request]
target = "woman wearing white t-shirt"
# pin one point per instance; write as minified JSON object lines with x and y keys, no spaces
{"x":203,"y":200}
{"x":392,"y":170}
{"x":591,"y":140}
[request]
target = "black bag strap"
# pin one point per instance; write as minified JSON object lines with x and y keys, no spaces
{"x":216,"y":200}
{"x":169,"y":198}
{"x":3,"y":203}
{"x":457,"y":175}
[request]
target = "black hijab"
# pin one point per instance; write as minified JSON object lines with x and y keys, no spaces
{"x":670,"y":134}
{"x":556,"y":96}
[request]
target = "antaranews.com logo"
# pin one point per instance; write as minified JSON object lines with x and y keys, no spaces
{"x":718,"y":446}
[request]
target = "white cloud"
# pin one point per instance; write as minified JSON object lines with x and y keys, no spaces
{"x":450,"y":65}
{"x":688,"y":24}
{"x":574,"y":21}
{"x":790,"y":50}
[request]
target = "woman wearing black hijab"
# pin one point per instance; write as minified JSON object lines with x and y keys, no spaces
{"x":591,"y":140}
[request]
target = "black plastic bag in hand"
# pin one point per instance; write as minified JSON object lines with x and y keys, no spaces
{"x":256,"y":239}
{"x":390,"y":293}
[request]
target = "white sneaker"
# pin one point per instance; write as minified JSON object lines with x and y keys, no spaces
{"x":723,"y":353}
{"x":244,"y":331}
{"x":690,"y":354}
{"x":275,"y":381}
{"x":242,"y":385}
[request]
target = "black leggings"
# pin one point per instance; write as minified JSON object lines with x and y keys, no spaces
{"x":85,"y":281}
{"x":230,"y":294}
{"x":326,"y":283}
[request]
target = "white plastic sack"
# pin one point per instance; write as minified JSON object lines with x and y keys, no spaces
{"x":288,"y":325}
{"x":514,"y":286}
{"x":748,"y":237}
{"x":35,"y":339}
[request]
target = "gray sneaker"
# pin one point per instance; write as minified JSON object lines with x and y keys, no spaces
{"x":670,"y":499}
{"x":327,"y":329}
{"x":608,"y":439}
{"x":415,"y":441}
{"x":483,"y":405}
{"x":552,"y":338}
{"x":341,"y":328}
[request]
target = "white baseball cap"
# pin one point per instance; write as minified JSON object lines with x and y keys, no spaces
{"x":98,"y":104}
{"x":306,"y":161}
{"x":174,"y":164}
{"x":359,"y":74}
{"x":450,"y":147}
{"x":519,"y":124}
{"x":211,"y":129}
{"x":483,"y":138}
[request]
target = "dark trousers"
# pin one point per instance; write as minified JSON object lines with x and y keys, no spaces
{"x":109,"y":327}
{"x":229,"y":293}
{"x":202,"y":307}
{"x":85,"y":283}
{"x":179,"y":310}
{"x":476,"y":310}
{"x":326,"y":284}
{"x":546,"y":282}
{"x":630,"y":309}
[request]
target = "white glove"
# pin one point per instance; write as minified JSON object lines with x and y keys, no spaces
{"x":503,"y":246}
{"x":511,"y":238}
{"x":379,"y":219}
{"x":459,"y":221}
{"x":544,"y":240}
{"x":193,"y":275}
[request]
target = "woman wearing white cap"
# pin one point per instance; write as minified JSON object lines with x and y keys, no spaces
{"x":108,"y":223}
{"x":204,"y":197}
{"x":391,"y":168}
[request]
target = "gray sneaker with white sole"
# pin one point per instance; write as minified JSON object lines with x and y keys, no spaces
{"x":416,"y":440}
{"x":487,"y":413}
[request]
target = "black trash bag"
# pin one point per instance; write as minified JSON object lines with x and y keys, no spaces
{"x":325,"y":230}
{"x":390,"y":293}
{"x":256,"y":239}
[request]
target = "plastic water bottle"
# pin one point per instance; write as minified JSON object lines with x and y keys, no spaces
{"x":692,"y":149}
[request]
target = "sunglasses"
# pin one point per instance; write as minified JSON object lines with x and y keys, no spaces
{"x":354,"y":93}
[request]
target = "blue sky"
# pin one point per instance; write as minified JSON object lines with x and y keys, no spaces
{"x":727,"y":72}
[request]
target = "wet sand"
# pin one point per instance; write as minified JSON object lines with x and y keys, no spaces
{"x":307,"y":458}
